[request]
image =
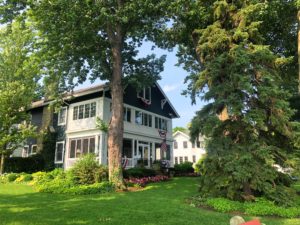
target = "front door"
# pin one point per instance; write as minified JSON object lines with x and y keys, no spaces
{"x":144,"y":154}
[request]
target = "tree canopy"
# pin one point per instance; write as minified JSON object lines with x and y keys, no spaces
{"x":96,"y":40}
{"x":19,"y":69}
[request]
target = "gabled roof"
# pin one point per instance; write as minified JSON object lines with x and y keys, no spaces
{"x":69,"y":95}
{"x":95,"y":89}
{"x":168,"y":100}
{"x":186,"y":134}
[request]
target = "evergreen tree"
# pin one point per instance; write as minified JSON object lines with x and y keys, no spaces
{"x":247,"y":118}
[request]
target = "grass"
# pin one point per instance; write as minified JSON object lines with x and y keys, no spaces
{"x":161,"y":203}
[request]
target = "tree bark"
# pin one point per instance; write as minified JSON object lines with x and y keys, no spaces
{"x":116,"y":126}
{"x":298,"y":18}
{"x":2,"y":163}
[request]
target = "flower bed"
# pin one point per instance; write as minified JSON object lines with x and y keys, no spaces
{"x":142,"y":182}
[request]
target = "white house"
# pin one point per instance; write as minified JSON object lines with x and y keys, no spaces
{"x":185,"y":150}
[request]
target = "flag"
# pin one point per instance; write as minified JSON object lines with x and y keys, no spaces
{"x":164,"y":146}
{"x":163,"y":135}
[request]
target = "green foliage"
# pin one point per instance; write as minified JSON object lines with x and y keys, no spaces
{"x":138,"y":172}
{"x":59,"y":187}
{"x":223,"y":204}
{"x":88,"y":171}
{"x":18,"y":79}
{"x":24,"y":178}
{"x":263,"y":207}
{"x":247,"y":118}
{"x":48,"y":151}
{"x":27,"y":165}
{"x":101,"y":125}
{"x":11,"y":177}
{"x":60,"y":182}
{"x":260,"y":207}
{"x":199,"y":164}
{"x":184,"y":168}
{"x":182,"y":129}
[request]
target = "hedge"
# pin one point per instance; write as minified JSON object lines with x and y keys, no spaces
{"x":24,"y":165}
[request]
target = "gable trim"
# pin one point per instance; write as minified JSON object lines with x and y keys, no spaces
{"x":169,"y":102}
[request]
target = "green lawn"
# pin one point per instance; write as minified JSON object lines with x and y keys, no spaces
{"x":161,"y":203}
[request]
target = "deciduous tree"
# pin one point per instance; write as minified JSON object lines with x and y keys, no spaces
{"x":98,"y":39}
{"x":18,"y":80}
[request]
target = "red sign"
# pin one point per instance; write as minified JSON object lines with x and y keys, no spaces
{"x":252,"y":222}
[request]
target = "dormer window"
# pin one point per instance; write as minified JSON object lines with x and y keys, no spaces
{"x":145,"y":94}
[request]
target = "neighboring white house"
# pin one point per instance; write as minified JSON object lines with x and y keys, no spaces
{"x":184,"y":150}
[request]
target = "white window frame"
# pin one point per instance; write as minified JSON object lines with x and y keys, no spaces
{"x":185,"y":144}
{"x":158,"y":123}
{"x":144,"y":93}
{"x":83,"y":104}
{"x":63,"y":152}
{"x":175,"y":145}
{"x":81,"y":145}
{"x":126,"y":109}
{"x":59,"y":114}
{"x":141,"y":118}
{"x":32,"y":148}
{"x":27,"y":153}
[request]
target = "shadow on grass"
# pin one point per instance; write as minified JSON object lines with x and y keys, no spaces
{"x":152,"y":205}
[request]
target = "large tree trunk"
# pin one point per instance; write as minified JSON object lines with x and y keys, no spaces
{"x":2,"y":163}
{"x":298,"y":17}
{"x":115,"y":131}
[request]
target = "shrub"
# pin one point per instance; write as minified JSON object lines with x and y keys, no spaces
{"x":260,"y":207}
{"x":138,"y":172}
{"x":184,"y":168}
{"x":223,"y":204}
{"x":142,"y":182}
{"x":24,"y":178}
{"x":24,"y":165}
{"x":39,"y":177}
{"x":11,"y":177}
{"x":281,"y":195}
{"x":67,"y":186}
{"x":3,"y":179}
{"x":97,"y":188}
{"x":87,"y":170}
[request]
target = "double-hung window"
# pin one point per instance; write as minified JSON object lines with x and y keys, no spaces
{"x":127,"y":114}
{"x":161,"y":124}
{"x":59,"y":152}
{"x":84,"y":111}
{"x":33,"y":149}
{"x":145,"y":94}
{"x":62,"y":116}
{"x":175,"y":144}
{"x":142,"y":118}
{"x":185,"y":144}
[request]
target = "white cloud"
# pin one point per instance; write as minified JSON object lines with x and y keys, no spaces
{"x":168,"y":88}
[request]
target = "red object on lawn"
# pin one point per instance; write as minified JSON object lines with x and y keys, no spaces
{"x":252,"y":222}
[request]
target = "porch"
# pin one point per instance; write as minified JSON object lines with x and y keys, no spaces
{"x":142,"y":153}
